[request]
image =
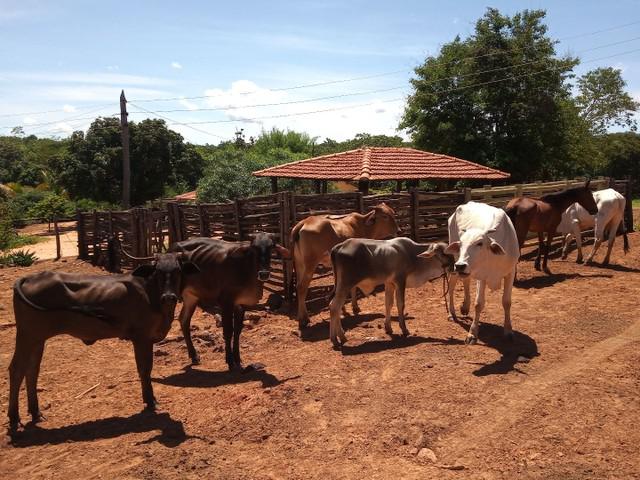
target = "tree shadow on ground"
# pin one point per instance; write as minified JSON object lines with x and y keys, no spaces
{"x":544,"y":281}
{"x":397,"y":341}
{"x":316,"y":332}
{"x":521,"y":349}
{"x":171,"y":433}
{"x":195,"y":377}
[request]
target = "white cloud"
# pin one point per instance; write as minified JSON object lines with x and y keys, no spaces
{"x":69,"y":108}
{"x":455,"y":21}
{"x":176,"y":65}
{"x":81,"y":77}
{"x":188,"y":104}
{"x":28,"y":120}
{"x":112,"y":68}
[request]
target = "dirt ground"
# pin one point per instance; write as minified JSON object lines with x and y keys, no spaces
{"x":561,"y":402}
{"x":45,"y":249}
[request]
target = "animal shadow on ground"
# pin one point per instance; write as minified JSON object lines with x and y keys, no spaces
{"x":615,"y":267}
{"x":319,"y":296}
{"x":319,"y":331}
{"x":397,"y":341}
{"x":171,"y":433}
{"x":522,"y":349}
{"x":544,"y":281}
{"x":195,"y":377}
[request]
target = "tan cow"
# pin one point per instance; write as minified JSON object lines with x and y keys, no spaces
{"x":313,"y":238}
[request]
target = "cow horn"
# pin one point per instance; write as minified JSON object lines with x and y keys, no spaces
{"x":136,"y":259}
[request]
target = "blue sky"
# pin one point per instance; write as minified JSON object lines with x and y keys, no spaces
{"x":74,"y":57}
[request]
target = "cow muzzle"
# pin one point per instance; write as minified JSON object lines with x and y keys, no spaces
{"x":169,"y":298}
{"x":461,"y":269}
{"x":264,"y":275}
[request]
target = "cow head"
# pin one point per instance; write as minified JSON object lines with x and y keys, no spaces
{"x":262,"y":245}
{"x":163,"y":277}
{"x":440,"y":260}
{"x":382,"y":222}
{"x":474,"y":251}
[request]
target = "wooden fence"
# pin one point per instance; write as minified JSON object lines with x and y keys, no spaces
{"x":420,"y":215}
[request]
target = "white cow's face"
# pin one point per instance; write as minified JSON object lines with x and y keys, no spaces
{"x":474,"y":251}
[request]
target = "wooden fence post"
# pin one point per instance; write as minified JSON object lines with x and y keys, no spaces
{"x":467,"y":194}
{"x":82,"y":237}
{"x":360,"y":198}
{"x":96,"y":242}
{"x":57,"y":232}
{"x":415,"y":214}
{"x":237,"y":209}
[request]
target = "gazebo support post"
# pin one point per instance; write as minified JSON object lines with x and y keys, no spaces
{"x":363,"y":186}
{"x":274,"y":184}
{"x":412,"y":184}
{"x":317,"y":185}
{"x":323,"y":187}
{"x":398,"y":186}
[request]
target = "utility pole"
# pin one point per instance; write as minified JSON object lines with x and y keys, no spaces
{"x":126,"y":165}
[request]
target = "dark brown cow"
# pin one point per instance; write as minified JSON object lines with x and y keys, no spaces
{"x":313,"y":238}
{"x":544,"y":214}
{"x":137,"y":307}
{"x":231,"y":277}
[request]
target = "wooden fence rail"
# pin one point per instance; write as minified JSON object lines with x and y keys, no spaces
{"x":420,"y":215}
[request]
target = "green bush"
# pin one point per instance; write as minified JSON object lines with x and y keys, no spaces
{"x":21,"y":258}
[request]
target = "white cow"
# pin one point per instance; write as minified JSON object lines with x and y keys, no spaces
{"x":485,"y":245}
{"x":605,"y":223}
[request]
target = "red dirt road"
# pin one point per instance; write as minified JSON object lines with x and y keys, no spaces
{"x":561,"y":402}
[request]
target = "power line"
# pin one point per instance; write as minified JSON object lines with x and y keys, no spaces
{"x":4,"y":115}
{"x":490,"y":82}
{"x":383,"y":90}
{"x":175,"y":122}
{"x":353,"y":79}
{"x":77,"y":117}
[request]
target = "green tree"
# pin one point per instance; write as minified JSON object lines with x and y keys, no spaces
{"x":603,"y":101}
{"x":497,"y":97}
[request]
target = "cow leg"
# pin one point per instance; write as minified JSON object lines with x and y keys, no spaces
{"x":598,"y":231}
{"x":188,"y":307}
{"x":540,"y":247}
{"x":227,"y":332}
{"x":566,"y":242}
{"x":354,"y":301}
{"x":17,"y":370}
{"x":613,"y":230}
{"x":453,"y":281}
{"x":335,"y":322}
{"x":32,"y":382}
{"x":238,"y":323}
{"x":506,"y":304}
{"x":400,"y":292}
{"x":143,"y":350}
{"x":303,"y":279}
{"x":464,"y":308}
{"x":547,"y":248}
{"x":472,"y":336}
{"x":389,"y":289}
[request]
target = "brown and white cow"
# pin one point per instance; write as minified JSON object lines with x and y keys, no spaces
{"x":137,"y":307}
{"x":397,"y":264}
{"x":313,"y":238}
{"x":231,"y":277}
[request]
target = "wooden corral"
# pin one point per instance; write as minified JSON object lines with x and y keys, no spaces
{"x":420,"y":215}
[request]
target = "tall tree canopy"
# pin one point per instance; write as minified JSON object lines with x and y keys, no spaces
{"x":497,"y":98}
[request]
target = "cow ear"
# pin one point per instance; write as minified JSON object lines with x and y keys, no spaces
{"x":452,"y":248}
{"x":496,"y":248}
{"x":190,"y":268}
{"x":144,"y":271}
{"x":428,"y":253}
{"x":283,"y":252}
{"x":370,"y":217}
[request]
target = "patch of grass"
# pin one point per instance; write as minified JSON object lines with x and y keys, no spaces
{"x":22,"y":241}
{"x":21,"y":258}
{"x":636,"y":203}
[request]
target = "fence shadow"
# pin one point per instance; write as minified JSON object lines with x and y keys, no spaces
{"x":544,"y":281}
{"x":397,"y":341}
{"x":171,"y":433}
{"x":522,"y":349}
{"x":197,"y":378}
{"x":319,"y":331}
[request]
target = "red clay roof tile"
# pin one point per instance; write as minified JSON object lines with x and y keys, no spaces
{"x":383,"y":163}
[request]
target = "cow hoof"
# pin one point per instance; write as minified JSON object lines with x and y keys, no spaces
{"x":537,"y":266}
{"x":195,"y":360}
{"x":14,"y":425}
{"x":470,"y":340}
{"x":151,"y":407}
{"x":302,"y":324}
{"x":37,"y":418}
{"x":464,"y":310}
{"x":389,"y":331}
{"x":579,"y":260}
{"x":509,"y":337}
{"x":605,"y":263}
{"x":405,"y":333}
{"x":452,"y":318}
{"x":356,"y":310}
{"x":547,"y":271}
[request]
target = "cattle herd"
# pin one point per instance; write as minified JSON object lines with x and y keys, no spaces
{"x":363,"y":251}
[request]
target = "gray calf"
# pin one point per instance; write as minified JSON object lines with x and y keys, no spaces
{"x":397,"y":264}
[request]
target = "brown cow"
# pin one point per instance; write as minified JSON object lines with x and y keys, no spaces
{"x":231,"y":277}
{"x":544,"y":214}
{"x":137,"y":307}
{"x":313,"y":238}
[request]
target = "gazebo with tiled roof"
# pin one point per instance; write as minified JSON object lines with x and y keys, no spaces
{"x":368,"y":164}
